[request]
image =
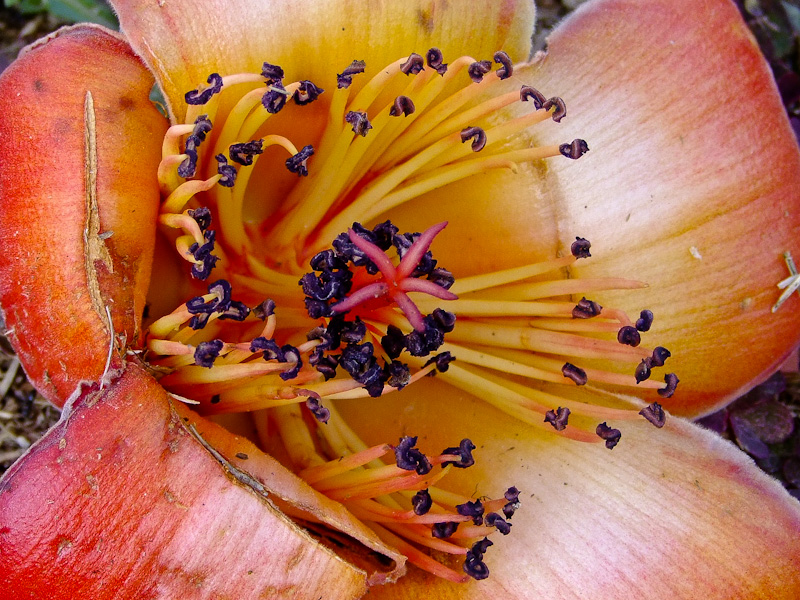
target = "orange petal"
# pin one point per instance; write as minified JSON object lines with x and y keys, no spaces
{"x":669,"y":513}
{"x":68,"y":253}
{"x":184,"y":41}
{"x":122,"y":498}
{"x":691,"y":185}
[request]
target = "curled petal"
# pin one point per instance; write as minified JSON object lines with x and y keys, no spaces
{"x":78,"y":202}
{"x":131,"y":495}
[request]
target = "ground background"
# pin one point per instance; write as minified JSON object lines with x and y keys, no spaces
{"x":764,"y":422}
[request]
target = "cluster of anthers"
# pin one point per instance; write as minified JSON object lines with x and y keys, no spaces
{"x":362,"y":322}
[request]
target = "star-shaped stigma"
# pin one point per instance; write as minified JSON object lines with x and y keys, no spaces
{"x":397,"y":281}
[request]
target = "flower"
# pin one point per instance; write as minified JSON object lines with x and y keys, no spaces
{"x":158,"y":500}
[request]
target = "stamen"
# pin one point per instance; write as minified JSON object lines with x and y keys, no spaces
{"x":526,"y":93}
{"x":573,"y":150}
{"x":435,"y":61}
{"x":359,"y":121}
{"x":403,"y":105}
{"x":672,"y":383}
{"x":203,"y":95}
{"x":655,"y":414}
{"x":611,"y":436}
{"x":507,"y":67}
{"x":557,"y":418}
{"x":345,"y":78}
{"x":478,"y":69}
{"x":413,"y":65}
{"x":574,"y":373}
{"x":477,"y":135}
{"x":560,"y":108}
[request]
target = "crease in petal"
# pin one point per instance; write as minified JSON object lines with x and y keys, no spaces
{"x":77,"y":222}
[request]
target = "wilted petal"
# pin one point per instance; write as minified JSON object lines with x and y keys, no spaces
{"x":122,"y":498}
{"x":184,"y":41}
{"x":669,"y":513}
{"x":72,"y":248}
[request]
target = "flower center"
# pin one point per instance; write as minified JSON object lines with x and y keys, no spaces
{"x":367,"y":318}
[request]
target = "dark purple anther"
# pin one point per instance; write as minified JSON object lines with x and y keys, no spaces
{"x":298,"y":162}
{"x":274,"y":99}
{"x":574,"y":149}
{"x":512,"y":495}
{"x":203,"y":254}
{"x":244,"y":152}
{"x":394,"y":342}
{"x":422,"y":502}
{"x":202,"y":217}
{"x":409,"y":458}
{"x":403,"y":105}
{"x":660,"y":356}
{"x":398,"y":375}
{"x":435,"y":61}
{"x":495,"y":520}
{"x":270,"y":348}
{"x":227,"y":171}
{"x":443,"y":530}
{"x":560,"y":108}
{"x":265,"y":309}
{"x":557,"y":418}
{"x":586,"y":309}
{"x":655,"y":414}
{"x":198,"y":96}
{"x":202,"y":126}
{"x":629,"y":336}
{"x":478,"y":69}
{"x":442,"y":361}
{"x":188,"y":167}
{"x":359,"y":121}
{"x":577,"y":374}
{"x":526,"y":93}
{"x":464,"y":451}
{"x":345,"y":78}
{"x":473,"y":564}
{"x":471,"y":509}
{"x":610,"y":435}
{"x":237,"y":311}
{"x":442,"y":277}
{"x":672,"y":382}
{"x":271,"y":73}
{"x":507,"y":67}
{"x":206,"y":353}
{"x":477,"y":135}
{"x":645,"y":321}
{"x":580,"y":248}
{"x":643,"y":370}
{"x":306,"y":93}
{"x":320,"y":413}
{"x":413,"y":65}
{"x":291,"y":355}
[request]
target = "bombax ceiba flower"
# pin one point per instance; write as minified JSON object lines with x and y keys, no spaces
{"x":243,"y":307}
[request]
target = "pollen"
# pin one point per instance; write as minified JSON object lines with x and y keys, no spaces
{"x":298,"y":293}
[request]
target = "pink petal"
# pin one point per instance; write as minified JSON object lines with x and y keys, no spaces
{"x":669,"y":513}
